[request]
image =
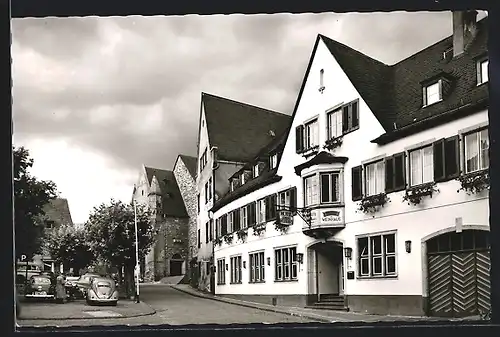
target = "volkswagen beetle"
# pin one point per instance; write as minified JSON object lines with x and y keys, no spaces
{"x":39,"y":286}
{"x":102,"y":290}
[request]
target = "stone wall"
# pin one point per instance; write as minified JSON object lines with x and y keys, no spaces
{"x":187,"y":187}
{"x":176,"y":233}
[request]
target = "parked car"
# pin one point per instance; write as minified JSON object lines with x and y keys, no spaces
{"x":39,"y":286}
{"x":72,"y":288}
{"x":84,"y":281}
{"x":102,"y":290}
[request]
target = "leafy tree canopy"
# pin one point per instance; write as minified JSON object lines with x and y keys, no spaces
{"x":110,"y":232}
{"x":30,"y":196}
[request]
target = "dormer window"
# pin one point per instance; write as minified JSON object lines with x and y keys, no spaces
{"x":256,"y":170}
{"x":433,"y":93}
{"x":242,"y":177}
{"x":482,"y":71}
{"x":273,"y":161}
{"x":233,"y":185}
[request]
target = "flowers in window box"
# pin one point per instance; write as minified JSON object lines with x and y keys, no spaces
{"x":283,"y":228}
{"x":228,"y":238}
{"x":310,"y":151}
{"x":259,"y":229}
{"x":242,"y":235}
{"x":475,"y":182}
{"x":415,"y":194}
{"x":333,"y":143}
{"x":372,"y":203}
{"x":218,"y":241}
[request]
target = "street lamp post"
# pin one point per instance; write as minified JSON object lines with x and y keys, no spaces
{"x":136,"y":271}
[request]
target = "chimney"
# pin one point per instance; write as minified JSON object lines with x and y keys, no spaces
{"x":464,"y":30}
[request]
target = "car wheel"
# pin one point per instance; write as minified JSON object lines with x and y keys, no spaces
{"x":89,"y":302}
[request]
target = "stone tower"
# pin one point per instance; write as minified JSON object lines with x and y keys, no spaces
{"x":156,"y":207}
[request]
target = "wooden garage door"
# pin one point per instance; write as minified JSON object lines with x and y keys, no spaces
{"x":459,"y":274}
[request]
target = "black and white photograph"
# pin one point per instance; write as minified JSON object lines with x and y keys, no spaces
{"x":237,"y":169}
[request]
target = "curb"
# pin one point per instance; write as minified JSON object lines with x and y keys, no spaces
{"x":152,"y":312}
{"x":321,"y":319}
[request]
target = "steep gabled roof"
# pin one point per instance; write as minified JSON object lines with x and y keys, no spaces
{"x":173,"y":204}
{"x":190,"y":162}
{"x":394,"y":93}
{"x":57,"y":210}
{"x":240,"y":130}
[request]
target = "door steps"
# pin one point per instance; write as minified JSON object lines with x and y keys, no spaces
{"x":330,"y":302}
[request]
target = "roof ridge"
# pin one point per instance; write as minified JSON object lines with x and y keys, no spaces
{"x":352,"y":49}
{"x":186,"y":155}
{"x":244,"y":104}
{"x":158,"y":169}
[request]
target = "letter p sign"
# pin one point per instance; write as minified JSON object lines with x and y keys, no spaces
{"x":23,"y":257}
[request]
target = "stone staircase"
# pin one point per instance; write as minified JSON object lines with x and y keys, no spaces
{"x":330,"y":302}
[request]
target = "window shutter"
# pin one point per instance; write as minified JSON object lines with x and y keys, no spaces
{"x":451,"y":157}
{"x":399,"y":162}
{"x":207,"y":231}
{"x":299,"y":138}
{"x":389,"y":174}
{"x":293,"y":199}
{"x":357,"y":183}
{"x":345,"y":119}
{"x":236,"y":219}
{"x":272,"y":207}
{"x":438,"y":154}
{"x":224,"y":225}
{"x":251,"y":214}
{"x":478,"y":72}
{"x":424,"y":95}
{"x":355,"y":114}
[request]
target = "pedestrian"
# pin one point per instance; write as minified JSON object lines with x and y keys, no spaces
{"x":60,"y":289}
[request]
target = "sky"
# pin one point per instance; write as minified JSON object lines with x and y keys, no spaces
{"x":95,"y":98}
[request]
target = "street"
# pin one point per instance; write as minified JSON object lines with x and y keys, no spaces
{"x":177,"y":308}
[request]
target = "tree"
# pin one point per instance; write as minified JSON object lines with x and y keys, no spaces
{"x":30,"y":196}
{"x":111,"y":235}
{"x":67,"y":244}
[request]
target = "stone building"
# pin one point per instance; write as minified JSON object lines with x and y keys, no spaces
{"x":185,"y":174}
{"x":158,"y":190}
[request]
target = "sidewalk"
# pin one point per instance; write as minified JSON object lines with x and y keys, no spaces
{"x":325,"y":316}
{"x":80,"y":310}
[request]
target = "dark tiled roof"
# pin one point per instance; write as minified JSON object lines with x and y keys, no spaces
{"x":240,"y":130}
{"x":321,"y":158}
{"x":266,"y":178}
{"x":394,"y":93}
{"x":191,"y":164}
{"x":57,"y":210}
{"x":173,"y":204}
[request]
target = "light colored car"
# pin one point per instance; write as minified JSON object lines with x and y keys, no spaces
{"x":102,"y":290}
{"x":84,"y":281}
{"x":39,"y":286}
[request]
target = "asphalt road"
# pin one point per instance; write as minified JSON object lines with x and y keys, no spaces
{"x":177,"y":308}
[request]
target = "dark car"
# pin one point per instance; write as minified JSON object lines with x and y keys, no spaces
{"x":39,"y":286}
{"x":102,"y":290}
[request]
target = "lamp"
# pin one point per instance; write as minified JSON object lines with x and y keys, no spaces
{"x":268,"y":261}
{"x":348,"y":252}
{"x":408,"y":246}
{"x":300,"y":257}
{"x":245,"y":264}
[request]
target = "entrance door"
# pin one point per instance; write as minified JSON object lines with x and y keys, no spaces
{"x":175,"y":268}
{"x":328,"y":269}
{"x":459,"y":274}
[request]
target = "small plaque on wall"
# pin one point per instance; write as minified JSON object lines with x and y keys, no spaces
{"x":350,"y":275}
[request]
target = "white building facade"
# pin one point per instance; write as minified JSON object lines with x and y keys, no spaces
{"x":390,"y":206}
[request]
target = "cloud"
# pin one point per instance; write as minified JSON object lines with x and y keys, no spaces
{"x":127,"y":90}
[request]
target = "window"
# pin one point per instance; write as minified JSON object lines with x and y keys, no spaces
{"x":482,"y":71}
{"x":270,"y":202}
{"x":334,"y":124}
{"x":236,"y":220}
{"x":242,"y":178}
{"x":221,"y":271}
{"x":252,"y":214}
{"x":374,"y":178}
{"x":446,"y":159}
{"x":203,"y":160}
{"x":395,"y":173}
{"x":223,"y":225}
{"x":233,"y":185}
{"x":273,"y":161}
{"x":230,"y":223}
{"x":321,"y":80}
{"x":206,"y":192}
{"x":288,"y":198}
{"x":311,"y":134}
{"x":207,"y":231}
{"x":350,"y":117}
{"x":199,"y":238}
{"x":217,"y":228}
{"x":210,"y":188}
{"x":286,"y":265}
{"x":421,"y":166}
{"x":432,"y":93}
{"x":311,"y":194}
{"x":261,"y":210}
{"x":198,"y":202}
{"x":211,"y":230}
{"x":256,"y":170}
{"x":244,"y":217}
{"x":49,"y":224}
{"x":235,"y":262}
{"x":257,"y":267}
{"x":377,"y":255}
{"x":329,"y":187}
{"x":477,"y":146}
